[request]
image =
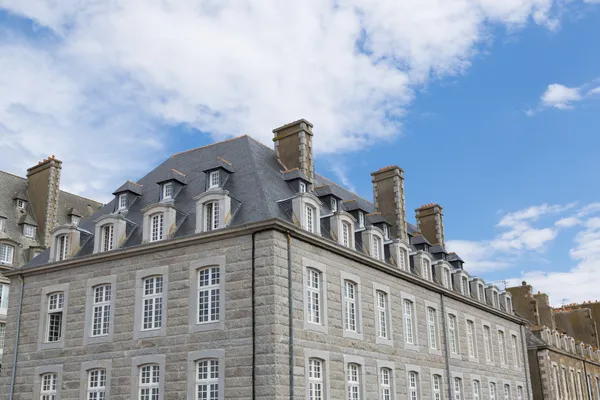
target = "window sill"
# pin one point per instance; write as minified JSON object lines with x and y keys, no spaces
{"x":139,"y":334}
{"x":311,"y":326}
{"x":456,"y":356}
{"x":352,"y":335}
{"x":384,"y":341}
{"x":435,"y":351}
{"x":209,"y":326}
{"x":98,"y":339}
{"x":51,"y":345}
{"x":413,"y":347}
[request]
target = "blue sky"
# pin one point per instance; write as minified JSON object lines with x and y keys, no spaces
{"x":492,"y":109}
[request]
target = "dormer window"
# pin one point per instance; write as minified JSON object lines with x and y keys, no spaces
{"x":122,"y":201}
{"x":75,"y":220}
{"x":29,"y":231}
{"x":107,"y":233}
{"x":157,"y":227}
{"x":426,"y":268}
{"x":386,"y":232}
{"x":211,"y":212}
{"x":481,"y":293}
{"x":302,"y":187}
{"x":62,"y":247}
{"x":21,"y":204}
{"x":2,"y":224}
{"x":214,"y":180}
{"x":167,"y":190}
{"x":425,"y":247}
{"x":377,"y":248}
{"x":309,"y":218}
{"x":361,"y":219}
{"x":509,"y":307}
{"x":346,"y":234}
{"x":7,"y":253}
{"x":495,"y":299}
{"x":448,"y":279}
{"x":464,"y":286}
{"x":333,"y":204}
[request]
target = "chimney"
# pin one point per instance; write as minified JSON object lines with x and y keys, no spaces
{"x":43,"y":185}
{"x":293,"y":144}
{"x":388,"y":196}
{"x":430,"y":220}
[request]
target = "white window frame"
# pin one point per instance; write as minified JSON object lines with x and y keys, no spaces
{"x":167,"y":190}
{"x":55,"y":307}
{"x":207,"y":292}
{"x":346,"y":234}
{"x":92,"y":389}
{"x":464,"y":285}
{"x":377,"y":247}
{"x":481,"y":292}
{"x":458,"y":386}
{"x":353,"y":381}
{"x":138,"y":382}
{"x":152,"y":302}
{"x":507,"y":394}
{"x":149,"y":382}
{"x":62,"y":247}
{"x":194,"y":320}
{"x":425,"y":268}
{"x":316,"y":379}
{"x":302,"y":187}
{"x":208,"y":371}
{"x":21,"y":204}
{"x":404,"y":257}
{"x":4,"y":292}
{"x":313,"y":381}
{"x":122,"y":202}
{"x":2,"y":336}
{"x":386,"y":391}
{"x":75,"y":220}
{"x":107,"y":235}
{"x":350,"y":306}
{"x":487,"y":343}
{"x":29,"y":231}
{"x":436,"y":386}
{"x":382,"y":317}
{"x":157,"y":227}
{"x":515,"y":350}
{"x":214,"y":180}
{"x":408,"y":312}
{"x":349,"y":303}
{"x":520,"y":393}
{"x":471,"y":337}
{"x":502,"y":346}
{"x":96,"y":384}
{"x":361,"y":219}
{"x":476,"y":389}
{"x":7,"y":253}
{"x":453,"y":334}
{"x":92,"y":306}
{"x":314,"y":287}
{"x":49,"y":386}
{"x":432,"y":328}
{"x":412,"y":385}
{"x":386,"y":232}
{"x":102,"y":310}
{"x":2,"y":224}
{"x":493,"y":391}
{"x":333,"y":204}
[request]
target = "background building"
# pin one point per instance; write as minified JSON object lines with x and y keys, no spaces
{"x":29,"y":209}
{"x":233,"y":271}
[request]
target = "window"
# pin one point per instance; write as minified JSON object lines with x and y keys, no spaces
{"x":207,"y":379}
{"x":520,"y":393}
{"x":333,"y":203}
{"x":431,"y":328}
{"x":487,"y":343}
{"x":167,"y":190}
{"x":302,"y":187}
{"x":101,"y":310}
{"x":122,"y":201}
{"x":214,"y":180}
{"x":481,"y":293}
{"x":452,"y":333}
{"x":107,"y":237}
{"x":153,"y":302}
{"x":426,"y":267}
{"x":377,"y":250}
{"x":564,"y":384}
{"x":313,"y":288}
{"x":386,"y":232}
{"x":515,"y":352}
{"x":21,"y":204}
{"x":354,"y":390}
{"x":3,"y":297}
{"x":209,"y":296}
{"x":62,"y":247}
{"x":6,"y":253}
{"x":437,"y":387}
{"x":476,"y":390}
{"x":315,"y":379}
{"x":502,"y":347}
{"x":506,"y":392}
{"x":96,"y":388}
{"x":598,"y":387}
{"x":457,"y":388}
{"x":156,"y":227}
{"x":361,"y":219}
{"x":48,"y":390}
{"x":448,"y":279}
{"x":413,"y":385}
{"x":408,"y":321}
{"x":471,"y":339}
{"x":385,"y":383}
{"x":509,"y":308}
{"x":309,"y":215}
{"x":403,"y":257}
{"x":350,"y":306}
{"x":54,"y":322}
{"x":75,"y":220}
{"x":29,"y":231}
{"x":346,"y":234}
{"x":149,"y":382}
{"x":492,"y":391}
{"x":464,"y":286}
{"x":495,"y":299}
{"x":382,"y":316}
{"x":555,"y":381}
{"x":2,"y":224}
{"x":211,"y":212}
{"x":2,"y":336}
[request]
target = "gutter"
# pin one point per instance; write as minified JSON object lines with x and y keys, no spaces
{"x":253,"y":316}
{"x":446,"y":347}
{"x":291,"y":314}
{"x":14,"y":366}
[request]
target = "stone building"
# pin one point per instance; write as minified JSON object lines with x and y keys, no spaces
{"x":562,"y":367}
{"x":29,"y":210}
{"x":233,"y":271}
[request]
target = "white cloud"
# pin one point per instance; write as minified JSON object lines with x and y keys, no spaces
{"x":594,"y":90}
{"x":116,"y":71}
{"x":567,"y":222}
{"x":560,"y":96}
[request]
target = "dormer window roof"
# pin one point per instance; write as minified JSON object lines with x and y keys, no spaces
{"x":21,"y":199}
{"x":125,"y":193}
{"x":455,"y":260}
{"x":170,"y":185}
{"x":74,"y":216}
{"x":297,"y":179}
{"x":420,"y":242}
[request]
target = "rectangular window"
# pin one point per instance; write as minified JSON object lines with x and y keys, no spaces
{"x":457,"y":388}
{"x":515,"y":351}
{"x":385,"y":383}
{"x":502,"y":347}
{"x":487,"y":343}
{"x":452,"y":333}
{"x":386,"y":232}
{"x":107,"y":237}
{"x":20,"y":204}
{"x":56,"y":304}
{"x":156,"y":227}
{"x":2,"y":336}
{"x":520,"y":393}
{"x":207,"y":379}
{"x":495,"y":298}
{"x":75,"y":219}
{"x":2,"y":224}
{"x":168,"y":190}
{"x":465,"y":286}
{"x":96,"y":389}
{"x":29,"y":231}
{"x":302,"y":187}
{"x":315,"y":379}
{"x":101,"y":310}
{"x":212,"y":215}
{"x":413,"y":385}
{"x":481,"y":293}
{"x":403,"y":258}
{"x":345,"y":234}
{"x":3,"y":298}
{"x":476,"y":390}
{"x":48,"y":389}
{"x":408,"y":321}
{"x":333,"y":205}
{"x":361,"y":219}
{"x":448,"y":279}
{"x":425,"y":266}
{"x":376,"y":247}
{"x":153,"y":302}
{"x":313,"y":287}
{"x":437,"y":387}
{"x":209,"y":296}
{"x":431,"y":328}
{"x":350,"y":306}
{"x":354,"y":389}
{"x":492,"y":391}
{"x":382,"y":316}
{"x":506,"y":392}
{"x":509,"y":305}
{"x":555,"y":381}
{"x":6,"y":253}
{"x":214,"y":179}
{"x":471,"y":339}
{"x":149,"y":382}
{"x":309,"y":218}
{"x":122,"y":201}
{"x":62,"y":247}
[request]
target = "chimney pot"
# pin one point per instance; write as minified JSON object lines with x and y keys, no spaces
{"x":524,"y":283}
{"x":293,"y":144}
{"x":430,"y":219}
{"x":388,"y":196}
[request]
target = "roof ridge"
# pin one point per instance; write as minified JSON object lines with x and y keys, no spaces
{"x":207,"y":145}
{"x":13,"y":175}
{"x":348,"y":190}
{"x":82,"y":197}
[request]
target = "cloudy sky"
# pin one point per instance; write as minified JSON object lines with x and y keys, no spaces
{"x":491,"y":107}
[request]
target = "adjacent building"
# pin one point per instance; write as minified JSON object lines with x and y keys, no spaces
{"x":30,"y":208}
{"x":236,"y":271}
{"x":564,"y":365}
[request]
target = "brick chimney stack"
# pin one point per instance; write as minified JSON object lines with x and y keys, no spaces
{"x":388,"y":196}
{"x":293,"y":144}
{"x":430,"y":219}
{"x":43,"y":187}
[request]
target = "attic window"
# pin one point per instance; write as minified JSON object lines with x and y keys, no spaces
{"x":465,"y":286}
{"x":29,"y":231}
{"x":122,"y":201}
{"x":2,"y":224}
{"x":21,"y":204}
{"x":333,"y":204}
{"x":361,"y":219}
{"x":62,"y":247}
{"x":309,"y":218}
{"x":211,"y":212}
{"x":167,"y":190}
{"x":386,"y":232}
{"x":481,"y":293}
{"x":302,"y":187}
{"x":214,"y":180}
{"x":75,"y":220}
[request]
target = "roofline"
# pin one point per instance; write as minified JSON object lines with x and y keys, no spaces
{"x":207,"y":145}
{"x":255,"y":227}
{"x":84,"y":198}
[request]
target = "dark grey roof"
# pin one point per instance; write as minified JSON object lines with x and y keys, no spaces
{"x":376,"y":218}
{"x":294,"y":174}
{"x":220,"y":162}
{"x":412,"y":229}
{"x":437,"y":249}
{"x":69,"y":203}
{"x":129,"y":187}
{"x":419,"y":239}
{"x":27,"y":219}
{"x":454,"y":257}
{"x":21,"y":195}
{"x":174,"y":175}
